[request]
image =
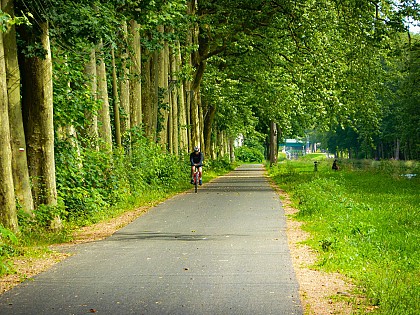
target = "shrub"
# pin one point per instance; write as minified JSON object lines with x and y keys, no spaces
{"x":8,"y":248}
{"x":90,"y":181}
{"x":246,"y":154}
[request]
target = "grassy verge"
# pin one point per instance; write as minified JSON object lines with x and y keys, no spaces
{"x":365,"y":223}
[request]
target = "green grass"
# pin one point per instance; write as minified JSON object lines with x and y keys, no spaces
{"x":365,"y":224}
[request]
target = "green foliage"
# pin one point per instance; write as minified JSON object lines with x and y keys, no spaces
{"x":90,"y":181}
{"x":8,"y":248}
{"x":219,"y":166}
{"x":282,"y":156}
{"x":364,"y":223}
{"x":246,"y":154}
{"x":37,"y":229}
{"x":6,"y":21}
{"x":393,"y":131}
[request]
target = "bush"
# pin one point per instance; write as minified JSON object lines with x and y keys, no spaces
{"x":246,"y":154}
{"x":90,"y":181}
{"x":282,"y":156}
{"x":218,"y":165}
{"x":8,"y":248}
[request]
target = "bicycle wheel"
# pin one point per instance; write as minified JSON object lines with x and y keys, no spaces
{"x":196,"y":178}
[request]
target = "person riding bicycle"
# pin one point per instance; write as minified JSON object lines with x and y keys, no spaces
{"x":196,"y":159}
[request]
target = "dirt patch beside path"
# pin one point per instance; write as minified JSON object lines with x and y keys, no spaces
{"x":321,"y":293}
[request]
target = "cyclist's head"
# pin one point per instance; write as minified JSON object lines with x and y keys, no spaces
{"x":196,"y":149}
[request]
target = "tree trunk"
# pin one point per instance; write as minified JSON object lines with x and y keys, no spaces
{"x":195,"y":120}
{"x":232,"y":150}
{"x":154,"y":93}
{"x":37,"y":101}
{"x":171,"y":125}
{"x":182,"y":110}
{"x":21,"y":180}
{"x":135,"y":80}
{"x":147,"y":105}
{"x":208,"y":124}
{"x":92,"y":117}
{"x":226,"y":143}
{"x":273,"y":143}
{"x":219,"y":145}
{"x":163,"y":93}
{"x":174,"y":101}
{"x":117,"y":123}
{"x":125,"y":89}
{"x":103,"y":115}
{"x":201,"y":121}
{"x":213,"y":152}
{"x":397,"y":149}
{"x":189,"y":94}
{"x":8,"y":217}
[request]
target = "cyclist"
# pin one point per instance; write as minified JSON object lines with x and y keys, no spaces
{"x":196,"y":159}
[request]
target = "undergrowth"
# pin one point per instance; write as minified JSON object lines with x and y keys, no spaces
{"x":365,"y":223}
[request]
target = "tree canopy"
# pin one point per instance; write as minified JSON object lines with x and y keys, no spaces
{"x":127,"y":74}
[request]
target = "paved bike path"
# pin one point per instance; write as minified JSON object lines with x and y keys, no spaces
{"x":220,"y":251}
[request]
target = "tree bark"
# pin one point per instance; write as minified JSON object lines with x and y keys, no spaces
{"x":92,"y":117}
{"x":397,"y":149}
{"x":37,"y":101}
{"x":135,"y":80}
{"x":117,"y":123}
{"x":220,"y":145}
{"x":195,"y":120}
{"x":182,"y":110}
{"x":232,"y":150}
{"x":21,"y":180}
{"x":125,"y":89}
{"x":154,"y":92}
{"x":273,"y":143}
{"x":208,"y":124}
{"x":147,"y":105}
{"x":173,"y":89}
{"x":163,"y":92}
{"x":201,"y":122}
{"x":8,"y":217}
{"x":103,"y":115}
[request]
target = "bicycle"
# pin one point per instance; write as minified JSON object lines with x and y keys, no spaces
{"x":196,"y":178}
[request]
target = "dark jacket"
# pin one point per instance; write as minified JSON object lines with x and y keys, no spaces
{"x":197,"y":158}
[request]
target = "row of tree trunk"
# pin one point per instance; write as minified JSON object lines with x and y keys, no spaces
{"x":146,"y":88}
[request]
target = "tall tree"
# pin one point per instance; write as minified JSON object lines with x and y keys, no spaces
{"x":8,"y":217}
{"x":125,"y":84}
{"x":104,"y":117}
{"x":37,"y":102}
{"x":147,"y":104}
{"x":92,"y":84}
{"x":174,"y":101}
{"x":135,"y":73}
{"x":162,"y":79}
{"x":18,"y":144}
{"x":116,"y":101}
{"x":182,"y":106}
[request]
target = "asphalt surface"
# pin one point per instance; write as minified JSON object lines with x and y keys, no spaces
{"x":220,"y":251}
